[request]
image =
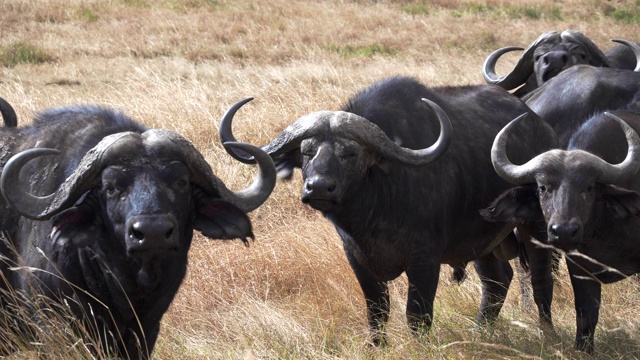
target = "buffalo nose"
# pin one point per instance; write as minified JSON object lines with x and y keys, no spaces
{"x":320,"y":187}
{"x":564,"y":232}
{"x":151,"y":232}
{"x":555,"y":59}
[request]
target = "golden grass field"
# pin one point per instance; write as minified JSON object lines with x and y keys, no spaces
{"x":179,"y":64}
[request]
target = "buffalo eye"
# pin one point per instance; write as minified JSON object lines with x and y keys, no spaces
{"x":110,"y":189}
{"x":182,"y":184}
{"x":308,"y":151}
{"x":541,"y":190}
{"x":587,"y":191}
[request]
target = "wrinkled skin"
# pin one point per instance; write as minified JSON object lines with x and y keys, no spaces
{"x":394,"y":218}
{"x":584,"y":215}
{"x":123,"y":244}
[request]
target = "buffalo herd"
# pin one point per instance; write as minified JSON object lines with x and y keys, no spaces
{"x":101,"y":218}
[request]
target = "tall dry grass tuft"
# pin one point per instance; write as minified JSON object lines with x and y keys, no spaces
{"x":35,"y":325}
{"x":180,"y":64}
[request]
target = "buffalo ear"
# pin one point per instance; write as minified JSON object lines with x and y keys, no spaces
{"x":78,"y":224}
{"x":518,"y":204}
{"x":287,"y":162}
{"x":621,"y":202}
{"x":218,"y":219}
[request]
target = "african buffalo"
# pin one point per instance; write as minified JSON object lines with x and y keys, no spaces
{"x":403,"y":191}
{"x":104,"y":209}
{"x":569,"y":99}
{"x":587,"y":198}
{"x":552,"y":53}
{"x":9,"y":116}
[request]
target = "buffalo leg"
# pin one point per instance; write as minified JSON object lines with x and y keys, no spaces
{"x":513,"y":247}
{"x":423,"y":283}
{"x":496,"y":277}
{"x":376,"y":295}
{"x":586,"y":293}
{"x":540,"y":266}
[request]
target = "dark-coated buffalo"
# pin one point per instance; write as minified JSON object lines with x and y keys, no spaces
{"x":9,"y":116}
{"x":587,"y":197}
{"x":572,"y":97}
{"x":403,"y":191}
{"x":569,"y":99}
{"x":105,"y":210}
{"x":552,"y":53}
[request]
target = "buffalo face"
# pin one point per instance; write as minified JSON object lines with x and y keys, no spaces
{"x":565,"y":186}
{"x":546,"y":57}
{"x":552,"y":58}
{"x":330,"y":169}
{"x":566,"y":192}
{"x":148,"y":209}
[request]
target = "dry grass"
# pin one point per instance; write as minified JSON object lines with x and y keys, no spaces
{"x":179,"y":64}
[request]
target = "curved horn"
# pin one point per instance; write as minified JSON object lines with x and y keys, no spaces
{"x":82,"y":179}
{"x":348,"y":125}
{"x":288,"y":139}
{"x":630,"y":165}
{"x":515,"y":174}
{"x":257,"y":193}
{"x":248,"y":199}
{"x":634,"y":47}
{"x":518,"y":75}
{"x":369,"y":134}
{"x":8,"y":114}
{"x":27,"y":204}
{"x":226,"y":135}
{"x":523,"y":68}
{"x":79,"y":182}
{"x":524,"y":174}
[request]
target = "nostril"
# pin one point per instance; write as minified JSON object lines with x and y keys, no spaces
{"x":151,"y":232}
{"x":137,"y":235}
{"x":564,"y":59}
{"x":565,"y":231}
{"x":545,"y":60}
{"x":320,"y":185}
{"x":574,"y":232}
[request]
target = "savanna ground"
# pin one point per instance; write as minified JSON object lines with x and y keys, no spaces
{"x":179,"y":64}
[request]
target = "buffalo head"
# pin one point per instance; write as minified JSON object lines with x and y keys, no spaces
{"x":136,"y":198}
{"x":545,"y":58}
{"x":563,"y":187}
{"x":335,"y":149}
